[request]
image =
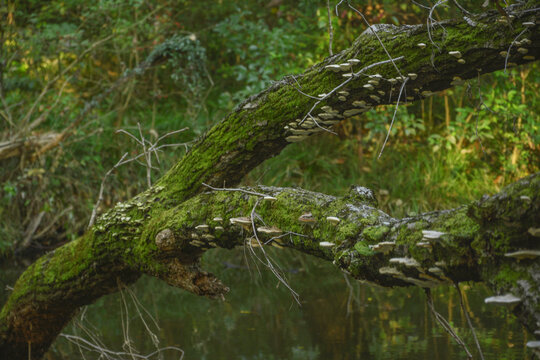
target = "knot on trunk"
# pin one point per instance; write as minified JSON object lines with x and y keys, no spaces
{"x":165,"y":240}
{"x":193,"y":279}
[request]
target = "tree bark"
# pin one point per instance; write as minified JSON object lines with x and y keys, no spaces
{"x":165,"y":230}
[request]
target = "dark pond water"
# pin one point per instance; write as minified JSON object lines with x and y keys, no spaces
{"x":260,"y":320}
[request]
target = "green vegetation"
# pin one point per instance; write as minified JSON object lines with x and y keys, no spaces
{"x":62,"y":55}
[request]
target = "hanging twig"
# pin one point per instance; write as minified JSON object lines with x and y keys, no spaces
{"x":330,"y":30}
{"x":373,"y":31}
{"x":444,"y":324}
{"x":394,"y":116}
{"x":464,"y":309}
{"x":355,"y":75}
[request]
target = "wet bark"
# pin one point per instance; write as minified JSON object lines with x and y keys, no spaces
{"x":165,"y":230}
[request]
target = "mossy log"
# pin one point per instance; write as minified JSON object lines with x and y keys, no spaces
{"x":165,"y":230}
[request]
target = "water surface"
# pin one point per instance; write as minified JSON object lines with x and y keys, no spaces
{"x":260,"y":320}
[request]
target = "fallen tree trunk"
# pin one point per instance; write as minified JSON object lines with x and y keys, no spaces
{"x":492,"y":240}
{"x":165,"y":230}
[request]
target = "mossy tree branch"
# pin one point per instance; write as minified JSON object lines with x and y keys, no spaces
{"x":153,"y":232}
{"x":470,"y":243}
{"x":262,"y":125}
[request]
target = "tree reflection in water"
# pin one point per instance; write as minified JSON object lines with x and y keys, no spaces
{"x":260,"y":320}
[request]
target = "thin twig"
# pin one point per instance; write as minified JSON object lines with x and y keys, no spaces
{"x":235,"y":189}
{"x":464,"y":309}
{"x":92,"y":347}
{"x":330,"y":30}
{"x":462,"y":9}
{"x":510,"y":48}
{"x":444,"y":324}
{"x":394,"y":116}
{"x":430,"y":22}
{"x":101,"y":188}
{"x":375,"y":33}
{"x":149,"y":148}
{"x":355,"y":75}
{"x":267,"y":260}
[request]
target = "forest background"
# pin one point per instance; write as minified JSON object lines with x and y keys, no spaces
{"x":59,"y":56}
{"x":72,"y":75}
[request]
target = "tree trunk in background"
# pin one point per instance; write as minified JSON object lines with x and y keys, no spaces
{"x":165,"y":230}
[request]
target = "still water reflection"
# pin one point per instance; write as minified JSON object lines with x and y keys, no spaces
{"x":260,"y":320}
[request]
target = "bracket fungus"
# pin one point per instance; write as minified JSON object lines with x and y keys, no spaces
{"x":202,"y":227}
{"x":421,"y":45}
{"x":197,"y":243}
{"x":269,"y":230}
{"x":359,"y":103}
{"x":333,"y":220}
{"x":307,"y":218}
{"x":408,"y":262}
{"x":326,"y":116}
{"x":383,"y":247}
{"x":295,"y":138}
{"x":436,"y":270}
{"x":523,"y":254}
{"x":431,"y":234}
{"x":242,"y":221}
{"x":388,"y":270}
{"x":456,"y":54}
{"x":424,"y":244}
{"x":507,"y":299}
{"x":333,"y":67}
{"x":217,"y":219}
{"x":352,"y":112}
{"x":326,"y":244}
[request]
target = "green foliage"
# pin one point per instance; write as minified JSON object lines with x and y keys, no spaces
{"x":442,"y":152}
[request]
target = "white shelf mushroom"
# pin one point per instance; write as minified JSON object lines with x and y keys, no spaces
{"x":333,"y":220}
{"x":523,"y":254}
{"x":326,"y":244}
{"x":507,"y":299}
{"x":333,"y":67}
